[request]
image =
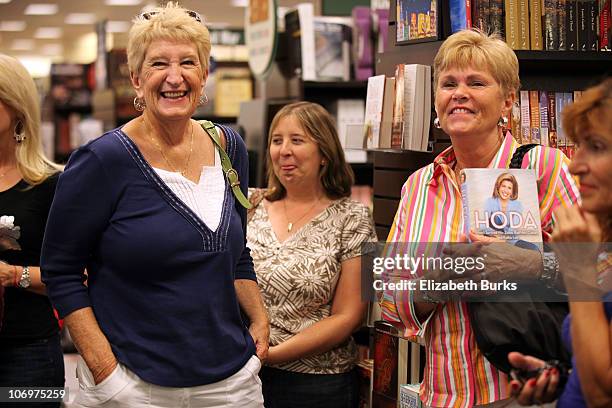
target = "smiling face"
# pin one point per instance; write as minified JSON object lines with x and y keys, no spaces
{"x":505,"y":190}
{"x":592,"y":162}
{"x":296,"y":159}
{"x":470,"y":102}
{"x":171,"y":79}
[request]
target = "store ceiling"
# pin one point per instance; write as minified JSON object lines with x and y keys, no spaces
{"x":217,"y":12}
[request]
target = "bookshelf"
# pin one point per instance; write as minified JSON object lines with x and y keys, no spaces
{"x":559,"y":71}
{"x":281,"y":87}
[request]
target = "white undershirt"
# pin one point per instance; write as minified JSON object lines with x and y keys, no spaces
{"x":205,"y":199}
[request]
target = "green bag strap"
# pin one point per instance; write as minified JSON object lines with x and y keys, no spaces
{"x":226,"y":164}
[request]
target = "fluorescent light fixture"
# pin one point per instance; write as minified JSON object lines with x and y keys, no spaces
{"x":16,"y":25}
{"x":22,"y":45}
{"x":52,"y":49}
{"x":239,"y":3}
{"x":117,"y":26}
{"x":41,"y":9}
{"x":122,"y":2}
{"x":80,"y":18}
{"x":48,"y":32}
{"x":37,"y":67}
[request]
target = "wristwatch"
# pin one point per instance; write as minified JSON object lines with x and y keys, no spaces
{"x":25,"y":280}
{"x":550,"y":270}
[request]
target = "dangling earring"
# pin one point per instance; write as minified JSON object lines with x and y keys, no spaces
{"x":503,"y":122}
{"x":19,"y":133}
{"x":139,"y":104}
{"x":436,"y":123}
{"x":323,"y":162}
{"x":203,"y":99}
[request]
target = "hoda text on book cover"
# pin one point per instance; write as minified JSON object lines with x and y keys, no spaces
{"x":501,"y":203}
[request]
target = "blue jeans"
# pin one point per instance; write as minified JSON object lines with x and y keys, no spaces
{"x":287,"y":389}
{"x":35,"y":364}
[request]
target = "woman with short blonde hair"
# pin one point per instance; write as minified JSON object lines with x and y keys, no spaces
{"x":475,"y":82}
{"x":161,"y":233}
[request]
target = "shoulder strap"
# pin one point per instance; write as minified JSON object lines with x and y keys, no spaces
{"x":517,"y":158}
{"x":256,"y":196}
{"x":226,"y":164}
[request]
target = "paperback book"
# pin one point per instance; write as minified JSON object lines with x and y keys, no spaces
{"x":502,"y":203}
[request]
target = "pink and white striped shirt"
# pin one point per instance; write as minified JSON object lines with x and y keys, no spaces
{"x":430,"y":210}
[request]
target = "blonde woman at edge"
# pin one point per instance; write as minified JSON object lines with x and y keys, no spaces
{"x":30,"y":351}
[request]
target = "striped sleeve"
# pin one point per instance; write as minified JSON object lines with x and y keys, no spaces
{"x":387,"y":303}
{"x":398,"y":306}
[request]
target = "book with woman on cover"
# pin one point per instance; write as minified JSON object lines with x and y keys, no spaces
{"x":502,"y":203}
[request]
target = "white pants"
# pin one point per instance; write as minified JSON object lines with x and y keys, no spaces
{"x":123,"y":388}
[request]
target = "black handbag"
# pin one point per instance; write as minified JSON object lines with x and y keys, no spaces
{"x":530,"y":327}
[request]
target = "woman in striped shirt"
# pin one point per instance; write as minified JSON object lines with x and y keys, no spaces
{"x":476,"y":82}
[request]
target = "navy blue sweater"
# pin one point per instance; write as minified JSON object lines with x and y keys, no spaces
{"x":161,"y":284}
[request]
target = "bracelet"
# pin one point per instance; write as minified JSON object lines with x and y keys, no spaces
{"x":15,"y":278}
{"x":550,"y":270}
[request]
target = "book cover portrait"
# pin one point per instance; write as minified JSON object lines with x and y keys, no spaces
{"x":501,"y":203}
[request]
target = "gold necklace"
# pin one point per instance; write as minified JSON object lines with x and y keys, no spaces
{"x":161,"y":151}
{"x":289,"y":223}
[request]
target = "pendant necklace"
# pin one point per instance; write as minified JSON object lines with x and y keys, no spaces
{"x":161,"y":151}
{"x":289,"y":223}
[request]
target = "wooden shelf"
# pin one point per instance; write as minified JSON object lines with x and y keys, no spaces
{"x":331,"y":85}
{"x":578,"y":63}
{"x":574,"y":59}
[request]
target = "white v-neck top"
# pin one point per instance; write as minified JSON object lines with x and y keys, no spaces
{"x":205,"y":199}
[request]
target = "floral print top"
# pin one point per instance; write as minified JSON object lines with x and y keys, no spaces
{"x":298,"y":277}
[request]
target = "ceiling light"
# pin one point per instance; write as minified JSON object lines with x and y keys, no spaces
{"x":5,"y":1}
{"x":12,"y":25}
{"x":239,"y":3}
{"x":117,"y":26}
{"x":41,"y":9}
{"x":48,"y":32}
{"x":122,"y":2}
{"x":22,"y":45}
{"x":37,"y":67}
{"x":52,"y":49}
{"x":80,"y":18}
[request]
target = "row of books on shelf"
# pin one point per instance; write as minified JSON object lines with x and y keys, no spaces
{"x":325,"y":48}
{"x":398,"y":114}
{"x":554,"y":25}
{"x":398,"y":110}
{"x":536,"y":118}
